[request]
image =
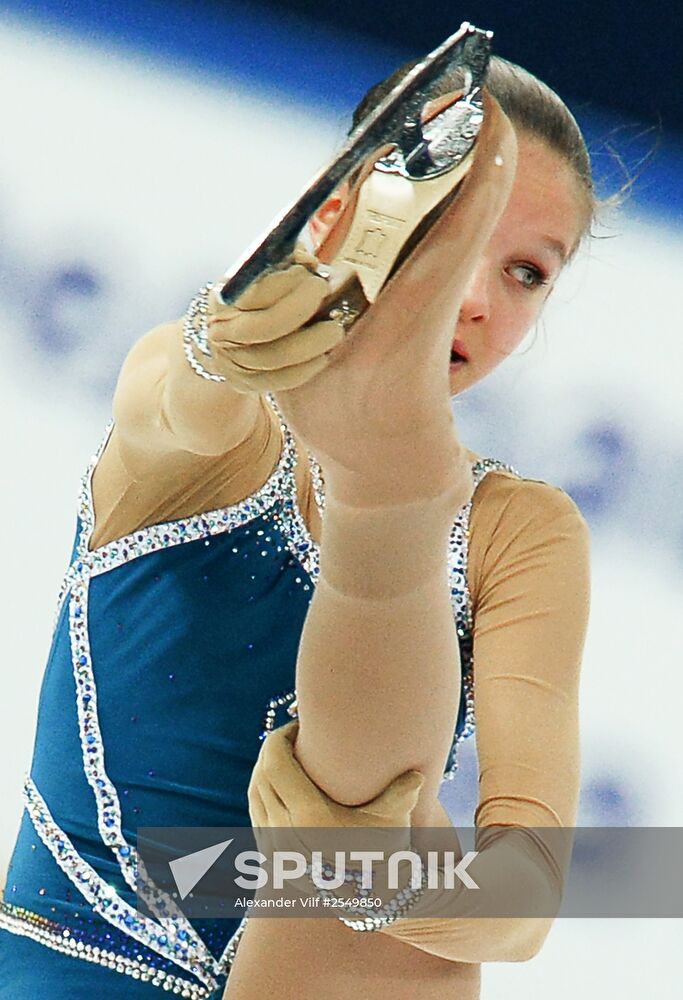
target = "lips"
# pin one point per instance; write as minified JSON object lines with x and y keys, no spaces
{"x":458,"y":352}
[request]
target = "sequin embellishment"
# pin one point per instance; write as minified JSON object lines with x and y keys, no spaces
{"x":105,"y":901}
{"x":278,"y":495}
{"x":51,"y":934}
{"x":171,"y":935}
{"x":461,"y":602}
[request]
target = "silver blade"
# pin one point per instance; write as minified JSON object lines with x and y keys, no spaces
{"x":396,"y":120}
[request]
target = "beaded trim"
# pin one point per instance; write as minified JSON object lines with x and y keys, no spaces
{"x":231,"y":949}
{"x":366,"y":918}
{"x":461,"y":601}
{"x":278,"y":494}
{"x":398,"y":906}
{"x":299,"y":540}
{"x":25,"y":923}
{"x":106,"y":797}
{"x":84,"y":505}
{"x":280,"y":486}
{"x":318,"y":483}
{"x":92,"y":747}
{"x":280,"y":700}
{"x":190,"y":953}
{"x":196,"y":334}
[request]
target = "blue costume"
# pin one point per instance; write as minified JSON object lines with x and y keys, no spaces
{"x":173,"y":655}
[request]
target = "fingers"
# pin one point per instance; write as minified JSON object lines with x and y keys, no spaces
{"x":294,"y":349}
{"x":320,"y":339}
{"x":266,"y":342}
{"x":276,"y":283}
{"x":278,"y":304}
{"x":267,"y":291}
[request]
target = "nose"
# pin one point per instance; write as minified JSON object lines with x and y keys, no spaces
{"x":476,"y":305}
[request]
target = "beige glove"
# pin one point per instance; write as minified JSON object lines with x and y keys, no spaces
{"x":258,"y":345}
{"x":285,"y":804}
{"x":518,"y":881}
{"x":277,"y":771}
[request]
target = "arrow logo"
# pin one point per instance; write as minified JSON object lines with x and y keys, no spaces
{"x":191,"y":868}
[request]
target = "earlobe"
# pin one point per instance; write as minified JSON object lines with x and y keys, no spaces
{"x":322,"y":222}
{"x":331,"y":210}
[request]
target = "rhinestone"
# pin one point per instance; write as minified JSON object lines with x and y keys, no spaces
{"x":276,"y":500}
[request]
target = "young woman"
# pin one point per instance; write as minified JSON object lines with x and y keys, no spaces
{"x":198,"y":553}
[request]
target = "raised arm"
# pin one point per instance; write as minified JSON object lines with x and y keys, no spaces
{"x":163,"y":407}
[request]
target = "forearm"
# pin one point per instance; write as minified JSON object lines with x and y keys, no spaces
{"x":378,"y":679}
{"x":204,"y":416}
{"x":162,"y":407}
{"x":509,"y":914}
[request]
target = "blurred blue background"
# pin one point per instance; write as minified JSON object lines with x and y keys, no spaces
{"x":146,"y":144}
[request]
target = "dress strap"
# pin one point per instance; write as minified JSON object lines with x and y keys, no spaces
{"x":463,"y":611}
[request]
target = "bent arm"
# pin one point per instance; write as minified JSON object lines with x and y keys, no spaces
{"x":531,"y":617}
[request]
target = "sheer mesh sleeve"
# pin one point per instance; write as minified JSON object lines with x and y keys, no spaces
{"x":529,"y":575}
{"x":180,"y":444}
{"x":162,"y":406}
{"x":531,"y":588}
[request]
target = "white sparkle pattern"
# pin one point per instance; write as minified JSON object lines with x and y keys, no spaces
{"x":279,"y":495}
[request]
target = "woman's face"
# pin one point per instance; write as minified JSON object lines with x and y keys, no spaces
{"x":541,"y":223}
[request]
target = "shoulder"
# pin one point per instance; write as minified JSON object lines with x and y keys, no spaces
{"x":503,"y":501}
{"x":154,"y":344}
{"x":517,"y":522}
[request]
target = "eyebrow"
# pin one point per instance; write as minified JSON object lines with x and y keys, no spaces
{"x":556,"y":247}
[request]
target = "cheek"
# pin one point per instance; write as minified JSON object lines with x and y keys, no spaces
{"x":513,"y":318}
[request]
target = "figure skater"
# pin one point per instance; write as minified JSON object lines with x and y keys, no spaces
{"x":296,"y":474}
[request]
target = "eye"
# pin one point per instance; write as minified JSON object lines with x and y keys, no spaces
{"x":528,"y":275}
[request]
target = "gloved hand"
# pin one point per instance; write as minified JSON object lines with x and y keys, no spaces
{"x":281,"y":794}
{"x":258,"y":344}
{"x":285,"y":805}
{"x":506,"y":918}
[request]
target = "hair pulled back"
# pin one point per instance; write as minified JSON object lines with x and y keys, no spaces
{"x":532,"y":107}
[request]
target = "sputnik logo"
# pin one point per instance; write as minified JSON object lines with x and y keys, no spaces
{"x":191,"y":868}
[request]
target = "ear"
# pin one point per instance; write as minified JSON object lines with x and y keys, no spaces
{"x":321,"y":224}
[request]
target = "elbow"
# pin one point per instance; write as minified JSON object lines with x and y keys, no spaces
{"x":520,"y":941}
{"x":474,"y":940}
{"x":282,"y":793}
